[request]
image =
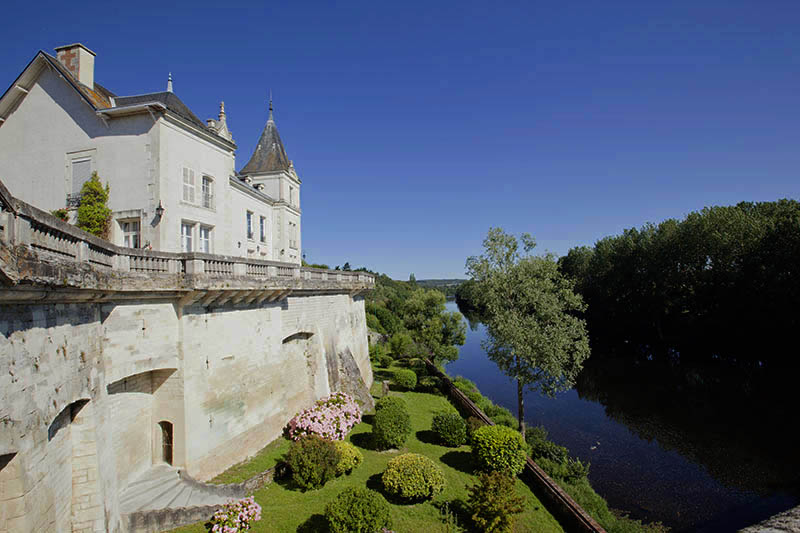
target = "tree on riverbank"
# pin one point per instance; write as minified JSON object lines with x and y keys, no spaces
{"x":534,"y":335}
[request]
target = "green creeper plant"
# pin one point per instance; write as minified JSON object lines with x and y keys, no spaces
{"x":94,"y":214}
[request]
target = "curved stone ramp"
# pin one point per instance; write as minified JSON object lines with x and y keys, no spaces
{"x":164,"y":498}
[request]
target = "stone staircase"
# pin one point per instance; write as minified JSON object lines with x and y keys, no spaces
{"x":164,"y":497}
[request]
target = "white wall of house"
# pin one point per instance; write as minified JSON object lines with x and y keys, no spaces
{"x":245,"y":199}
{"x":52,"y":127}
{"x":179,"y":149}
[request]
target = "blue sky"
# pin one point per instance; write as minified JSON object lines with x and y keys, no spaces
{"x":417,"y":126}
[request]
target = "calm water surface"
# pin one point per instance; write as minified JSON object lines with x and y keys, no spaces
{"x":641,"y":464}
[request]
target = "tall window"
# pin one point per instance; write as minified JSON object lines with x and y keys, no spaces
{"x":291,"y":195}
{"x":208,"y":192}
{"x":205,"y":239}
{"x":263,"y":229}
{"x":186,"y":237}
{"x":188,"y":185}
{"x":130,"y":233}
{"x":293,"y":235}
{"x":249,"y":224}
{"x":81,"y":172}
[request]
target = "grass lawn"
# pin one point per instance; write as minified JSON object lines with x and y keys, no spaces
{"x":263,"y":460}
{"x":286,"y":509}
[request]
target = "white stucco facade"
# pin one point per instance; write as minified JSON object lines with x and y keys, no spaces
{"x":155,"y":155}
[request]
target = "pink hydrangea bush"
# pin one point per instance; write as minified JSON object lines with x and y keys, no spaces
{"x":236,"y":516}
{"x":330,"y":418}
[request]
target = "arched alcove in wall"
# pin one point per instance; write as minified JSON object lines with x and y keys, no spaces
{"x":11,"y":494}
{"x":73,"y":469}
{"x":144,"y":404}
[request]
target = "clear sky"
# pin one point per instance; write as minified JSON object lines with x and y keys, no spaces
{"x":416,"y":126}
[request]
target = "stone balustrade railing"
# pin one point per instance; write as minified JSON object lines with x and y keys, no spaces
{"x":25,"y":225}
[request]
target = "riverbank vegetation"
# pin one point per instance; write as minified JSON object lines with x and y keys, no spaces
{"x":719,"y":286}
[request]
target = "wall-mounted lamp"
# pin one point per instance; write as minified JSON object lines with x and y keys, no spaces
{"x":159,"y":210}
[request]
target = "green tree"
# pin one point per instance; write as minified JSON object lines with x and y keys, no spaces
{"x":534,"y":335}
{"x":93,"y":213}
{"x":412,"y":278}
{"x":431,"y":326}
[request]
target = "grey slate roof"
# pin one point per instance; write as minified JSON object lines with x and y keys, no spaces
{"x":269,"y":155}
{"x":170,"y":100}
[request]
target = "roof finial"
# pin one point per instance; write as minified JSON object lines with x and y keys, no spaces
{"x":169,"y":83}
{"x":222,"y":110}
{"x":270,"y":104}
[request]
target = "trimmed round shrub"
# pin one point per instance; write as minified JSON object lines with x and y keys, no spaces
{"x":349,"y":458}
{"x":499,"y":448}
{"x":473,"y":423}
{"x":392,"y":427}
{"x":475,"y":396}
{"x":450,"y":428}
{"x":429,"y":384}
{"x":313,"y":461}
{"x":358,"y":510}
{"x":386,"y":401}
{"x":405,"y":378}
{"x":412,"y":476}
{"x":384,"y":360}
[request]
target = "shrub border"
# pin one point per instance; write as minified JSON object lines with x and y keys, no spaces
{"x":571,"y":515}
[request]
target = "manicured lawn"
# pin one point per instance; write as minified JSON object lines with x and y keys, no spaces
{"x":286,"y":509}
{"x":263,"y":460}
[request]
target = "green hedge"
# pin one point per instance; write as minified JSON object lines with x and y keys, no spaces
{"x":413,"y":477}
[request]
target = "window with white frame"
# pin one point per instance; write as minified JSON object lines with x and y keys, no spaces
{"x":263,"y":222}
{"x":250,"y":225}
{"x":293,"y":235}
{"x":131,"y":236}
{"x":205,"y":239}
{"x":81,"y":172}
{"x":186,"y":236}
{"x":208,"y":192}
{"x":188,"y":185}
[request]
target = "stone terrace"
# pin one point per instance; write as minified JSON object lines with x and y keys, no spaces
{"x":39,"y":252}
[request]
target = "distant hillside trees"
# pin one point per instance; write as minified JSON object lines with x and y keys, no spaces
{"x":416,"y":320}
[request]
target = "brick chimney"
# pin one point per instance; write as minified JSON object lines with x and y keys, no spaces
{"x":79,"y":60}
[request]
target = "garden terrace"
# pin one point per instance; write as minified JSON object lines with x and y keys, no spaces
{"x":287,"y":509}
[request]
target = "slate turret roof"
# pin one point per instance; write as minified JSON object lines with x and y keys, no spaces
{"x":269,"y":155}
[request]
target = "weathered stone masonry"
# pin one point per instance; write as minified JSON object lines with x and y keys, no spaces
{"x":108,"y":352}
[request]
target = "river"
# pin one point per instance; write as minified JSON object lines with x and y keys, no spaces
{"x":657,"y":459}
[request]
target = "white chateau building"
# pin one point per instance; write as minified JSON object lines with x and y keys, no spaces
{"x":174,"y":185}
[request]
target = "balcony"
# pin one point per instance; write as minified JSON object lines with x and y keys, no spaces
{"x":73,"y":200}
{"x":39,"y":250}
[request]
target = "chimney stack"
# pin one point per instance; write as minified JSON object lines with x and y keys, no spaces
{"x":79,"y":61}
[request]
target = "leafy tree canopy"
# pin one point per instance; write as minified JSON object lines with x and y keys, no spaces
{"x":530,"y":310}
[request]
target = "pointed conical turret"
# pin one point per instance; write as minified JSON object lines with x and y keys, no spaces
{"x":269,"y":155}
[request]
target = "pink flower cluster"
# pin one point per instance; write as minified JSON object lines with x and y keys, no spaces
{"x":330,"y":418}
{"x":236,"y":516}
